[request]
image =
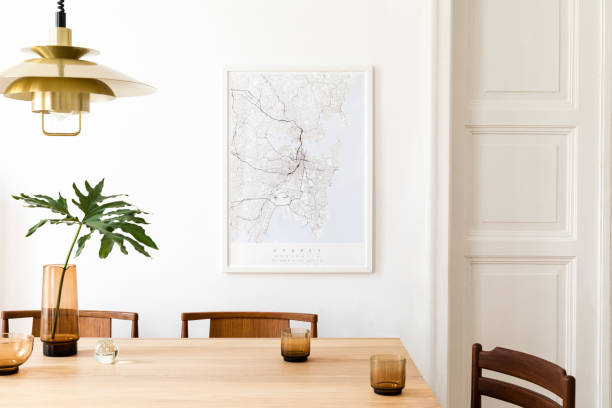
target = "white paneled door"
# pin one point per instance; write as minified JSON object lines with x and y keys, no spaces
{"x":526,"y":202}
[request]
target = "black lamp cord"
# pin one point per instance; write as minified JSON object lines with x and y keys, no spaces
{"x":60,"y":15}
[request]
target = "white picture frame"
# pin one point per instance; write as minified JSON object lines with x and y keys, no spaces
{"x":296,"y":265}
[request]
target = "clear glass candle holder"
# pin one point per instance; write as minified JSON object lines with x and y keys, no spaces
{"x":295,"y":344}
{"x":388,"y":373}
{"x":106,"y":351}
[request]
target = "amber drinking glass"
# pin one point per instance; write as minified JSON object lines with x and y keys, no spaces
{"x":15,"y":349}
{"x":63,"y":342}
{"x":295,"y":344}
{"x":388,"y":373}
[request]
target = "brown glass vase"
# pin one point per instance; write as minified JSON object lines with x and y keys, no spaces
{"x":59,"y":332}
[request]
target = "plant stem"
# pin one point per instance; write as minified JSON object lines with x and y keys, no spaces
{"x":59,"y":292}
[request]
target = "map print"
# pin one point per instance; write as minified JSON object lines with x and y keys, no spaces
{"x":298,"y":171}
{"x":283,"y":156}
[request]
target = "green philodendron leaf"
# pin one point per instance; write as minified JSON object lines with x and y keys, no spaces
{"x":98,"y":211}
{"x":119,"y":241}
{"x":126,"y":215}
{"x":94,"y":195}
{"x":59,"y":206}
{"x":106,"y":246}
{"x":81,"y":243}
{"x":137,"y":246}
{"x":137,"y":232}
{"x":35,"y":227}
{"x":100,"y":214}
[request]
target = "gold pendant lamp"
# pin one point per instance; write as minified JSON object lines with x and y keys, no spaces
{"x":59,"y":82}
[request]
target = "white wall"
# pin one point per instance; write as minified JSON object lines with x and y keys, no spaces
{"x":165,"y":151}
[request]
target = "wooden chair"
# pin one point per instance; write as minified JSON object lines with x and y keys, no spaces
{"x":92,"y":323}
{"x":526,"y":367}
{"x":247,"y":324}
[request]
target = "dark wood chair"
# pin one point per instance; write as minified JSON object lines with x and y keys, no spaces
{"x":92,"y":323}
{"x":247,"y":324}
{"x":526,"y":367}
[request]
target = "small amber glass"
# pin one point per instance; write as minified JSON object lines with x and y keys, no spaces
{"x":295,"y":344}
{"x":64,"y":341}
{"x":15,"y":349}
{"x":388,"y":373}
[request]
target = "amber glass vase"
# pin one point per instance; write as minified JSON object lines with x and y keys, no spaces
{"x":59,"y":332}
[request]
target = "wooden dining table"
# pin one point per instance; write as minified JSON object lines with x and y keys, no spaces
{"x":212,"y":373}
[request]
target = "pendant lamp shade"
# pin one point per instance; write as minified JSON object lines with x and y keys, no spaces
{"x":58,"y":71}
{"x":57,"y":80}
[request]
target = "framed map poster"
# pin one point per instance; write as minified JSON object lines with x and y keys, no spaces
{"x":298,"y":170}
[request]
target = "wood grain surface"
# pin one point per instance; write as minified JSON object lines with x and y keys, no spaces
{"x":211,"y":373}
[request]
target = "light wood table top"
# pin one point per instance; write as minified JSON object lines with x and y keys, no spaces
{"x":212,"y":373}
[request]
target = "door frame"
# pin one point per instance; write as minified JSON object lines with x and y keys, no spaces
{"x":604,"y":336}
{"x":440,"y":199}
{"x":440,"y":189}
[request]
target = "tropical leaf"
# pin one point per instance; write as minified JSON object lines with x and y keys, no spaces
{"x":102,"y":214}
{"x":81,"y":242}
{"x":59,"y":206}
{"x":137,"y":232}
{"x":126,"y":215}
{"x":94,"y":195}
{"x":137,"y":246}
{"x":106,"y":245}
{"x":35,"y":227}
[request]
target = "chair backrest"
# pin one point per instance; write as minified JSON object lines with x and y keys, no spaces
{"x":92,"y":323}
{"x":247,"y":324}
{"x":97,"y":323}
{"x":21,"y":314}
{"x":526,"y":367}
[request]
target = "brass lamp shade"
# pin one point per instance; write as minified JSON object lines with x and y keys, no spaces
{"x":59,"y":81}
{"x":69,"y":68}
{"x":24,"y":88}
{"x":60,"y":95}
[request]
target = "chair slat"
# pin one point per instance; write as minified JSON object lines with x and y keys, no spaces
{"x":94,"y":327}
{"x":524,"y":366}
{"x":514,"y":394}
{"x":241,"y":328}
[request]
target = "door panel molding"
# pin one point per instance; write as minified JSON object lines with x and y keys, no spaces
{"x":556,"y":142}
{"x":562,"y":269}
{"x":495,"y":51}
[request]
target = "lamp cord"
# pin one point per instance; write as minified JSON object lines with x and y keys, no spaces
{"x":60,"y":15}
